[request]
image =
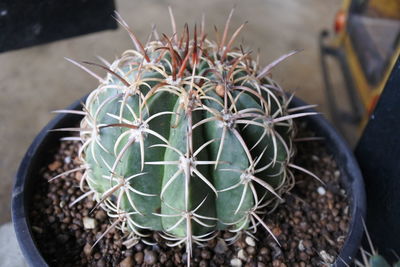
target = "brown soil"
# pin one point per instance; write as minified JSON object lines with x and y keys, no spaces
{"x":311,"y":225}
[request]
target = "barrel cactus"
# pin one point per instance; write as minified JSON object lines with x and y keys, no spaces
{"x":187,"y":137}
{"x":372,"y":258}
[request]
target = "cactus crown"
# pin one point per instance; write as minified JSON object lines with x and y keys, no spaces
{"x":187,"y":137}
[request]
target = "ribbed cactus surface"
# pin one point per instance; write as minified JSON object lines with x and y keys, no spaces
{"x":186,"y":136}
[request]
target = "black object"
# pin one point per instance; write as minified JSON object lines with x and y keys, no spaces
{"x":33,"y":22}
{"x":351,"y":179}
{"x":45,"y":142}
{"x":38,"y":155}
{"x":378,"y":153}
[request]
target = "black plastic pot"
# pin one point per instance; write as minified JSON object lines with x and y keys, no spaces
{"x":45,"y":144}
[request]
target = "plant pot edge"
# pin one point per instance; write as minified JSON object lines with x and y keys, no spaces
{"x":352,"y":180}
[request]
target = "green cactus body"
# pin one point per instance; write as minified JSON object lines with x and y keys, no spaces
{"x":185,"y":137}
{"x":378,"y":261}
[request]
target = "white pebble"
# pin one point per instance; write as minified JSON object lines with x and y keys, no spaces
{"x":301,"y":246}
{"x":236,"y":263}
{"x":321,"y":191}
{"x":326,"y":257}
{"x":89,"y":223}
{"x":346,"y":210}
{"x":67,"y":160}
{"x":314,"y":158}
{"x":242,"y":255}
{"x":341,"y":238}
{"x":250,"y":241}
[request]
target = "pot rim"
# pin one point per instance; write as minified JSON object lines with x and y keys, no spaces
{"x":351,"y":178}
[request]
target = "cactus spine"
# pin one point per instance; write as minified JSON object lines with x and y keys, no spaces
{"x":187,"y":137}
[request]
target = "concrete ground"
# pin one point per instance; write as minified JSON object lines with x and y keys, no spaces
{"x":10,"y":253}
{"x":37,"y":80}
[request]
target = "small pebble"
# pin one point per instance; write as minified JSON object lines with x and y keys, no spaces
{"x":51,"y":219}
{"x":341,"y":238}
{"x":87,"y":249}
{"x":150,"y":257}
{"x":127,"y":262}
{"x":37,"y":229}
{"x":264,"y":251}
{"x":139,"y":246}
{"x":221,"y":246}
{"x":303,"y":256}
{"x":277,"y":231}
{"x":139,"y":257}
{"x":205,"y":254}
{"x":301,"y":246}
{"x":67,"y":160}
{"x":236,"y":263}
{"x":251,"y":250}
{"x":177,"y":258}
{"x":78,"y":176}
{"x":326,"y":257}
{"x":346,"y":210}
{"x":184,"y":257}
{"x":89,"y":204}
{"x":314,"y":158}
{"x":89,"y":223}
{"x":100,"y":215}
{"x":307,"y":244}
{"x":242,"y":255}
{"x":54,"y":166}
{"x":250,"y":241}
{"x":277,"y":251}
{"x":163,"y":258}
{"x":343,"y":226}
{"x":321,"y":191}
{"x":101,"y":263}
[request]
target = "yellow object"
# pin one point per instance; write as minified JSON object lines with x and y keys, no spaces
{"x":384,"y":8}
{"x":367,"y":92}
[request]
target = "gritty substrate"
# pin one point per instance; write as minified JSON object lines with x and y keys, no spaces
{"x":311,"y":225}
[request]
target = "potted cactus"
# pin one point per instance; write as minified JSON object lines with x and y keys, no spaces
{"x":188,"y":137}
{"x":372,"y":258}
